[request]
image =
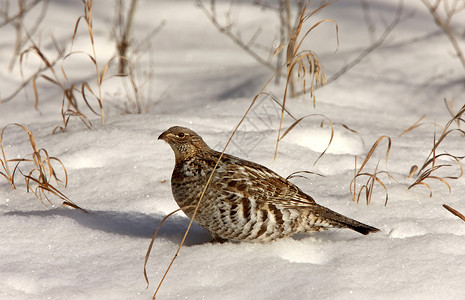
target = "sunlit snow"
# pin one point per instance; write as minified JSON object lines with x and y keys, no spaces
{"x":121,"y":173}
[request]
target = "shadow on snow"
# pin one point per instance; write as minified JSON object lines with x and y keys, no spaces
{"x":133,"y":224}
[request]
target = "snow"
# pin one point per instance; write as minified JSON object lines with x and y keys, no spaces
{"x":120,"y":172}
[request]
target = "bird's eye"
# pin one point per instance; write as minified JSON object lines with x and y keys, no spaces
{"x":181,"y":135}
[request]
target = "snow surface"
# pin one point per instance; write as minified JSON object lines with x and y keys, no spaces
{"x":120,"y":172}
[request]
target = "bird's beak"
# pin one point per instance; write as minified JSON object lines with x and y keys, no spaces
{"x":162,"y":136}
{"x":165,"y":136}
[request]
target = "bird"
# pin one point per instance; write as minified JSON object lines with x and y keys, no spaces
{"x":244,"y":201}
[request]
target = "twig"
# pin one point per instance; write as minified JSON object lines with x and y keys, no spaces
{"x":380,"y":41}
{"x":20,"y":14}
{"x":147,"y":255}
{"x":227,"y":30}
{"x":444,"y":24}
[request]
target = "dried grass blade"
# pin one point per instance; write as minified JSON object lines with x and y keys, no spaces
{"x":104,"y":72}
{"x":350,"y":129}
{"x":50,"y":79}
{"x":44,"y":59}
{"x":415,"y":125}
{"x":297,"y":174}
{"x":373,"y":148}
{"x":76,"y":26}
{"x":384,"y":187}
{"x":36,"y":93}
{"x":94,"y":62}
{"x":73,"y":205}
{"x":354,"y":181}
{"x":425,"y":184}
{"x":63,"y":167}
{"x":316,"y":25}
{"x":273,"y":97}
{"x":5,"y":161}
{"x":450,"y":106}
{"x":412,"y":171}
{"x":320,"y":8}
{"x":442,"y":180}
{"x":308,"y":116}
{"x":147,"y":255}
{"x":364,"y":187}
{"x":279,"y":49}
{"x":454,"y":212}
{"x":85,"y":86}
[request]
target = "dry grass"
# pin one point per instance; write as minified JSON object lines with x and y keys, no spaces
{"x":40,"y":170}
{"x":300,"y":174}
{"x":290,"y":27}
{"x":136,"y":76}
{"x":306,"y":61}
{"x":296,"y":122}
{"x":147,"y":255}
{"x":433,"y":161}
{"x":138,"y":79}
{"x":414,"y":125}
{"x":450,"y":108}
{"x":137,"y":102}
{"x":454,"y":212}
{"x":72,"y":93}
{"x":123,"y":32}
{"x":22,"y":11}
{"x":371,"y":177}
{"x":32,"y":79}
{"x":82,"y":99}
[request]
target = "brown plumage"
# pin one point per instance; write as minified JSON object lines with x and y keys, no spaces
{"x":244,"y":201}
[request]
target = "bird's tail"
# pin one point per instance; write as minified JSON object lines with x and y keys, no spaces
{"x":337,"y":220}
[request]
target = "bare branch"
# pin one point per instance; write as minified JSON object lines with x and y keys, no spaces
{"x":445,"y":22}
{"x":382,"y":38}
{"x":227,"y":30}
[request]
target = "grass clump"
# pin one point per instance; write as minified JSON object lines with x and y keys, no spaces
{"x":371,"y":177}
{"x":38,"y":169}
{"x":436,"y":159}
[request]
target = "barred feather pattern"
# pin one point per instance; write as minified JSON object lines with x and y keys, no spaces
{"x":244,"y":201}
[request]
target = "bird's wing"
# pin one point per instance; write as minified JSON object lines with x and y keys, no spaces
{"x":248,"y":179}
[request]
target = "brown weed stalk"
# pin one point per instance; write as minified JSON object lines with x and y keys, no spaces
{"x":371,"y":178}
{"x":414,"y":125}
{"x":431,"y":164}
{"x":71,"y":93}
{"x":296,"y":122}
{"x":306,"y":62}
{"x":450,"y":108}
{"x":41,"y":172}
{"x":136,"y":100}
{"x":147,"y":255}
{"x":100,"y":74}
{"x":129,"y":51}
{"x":454,"y":212}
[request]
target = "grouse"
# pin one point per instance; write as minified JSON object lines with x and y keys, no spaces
{"x":244,"y":201}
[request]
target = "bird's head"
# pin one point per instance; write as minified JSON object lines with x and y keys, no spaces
{"x":184,"y":142}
